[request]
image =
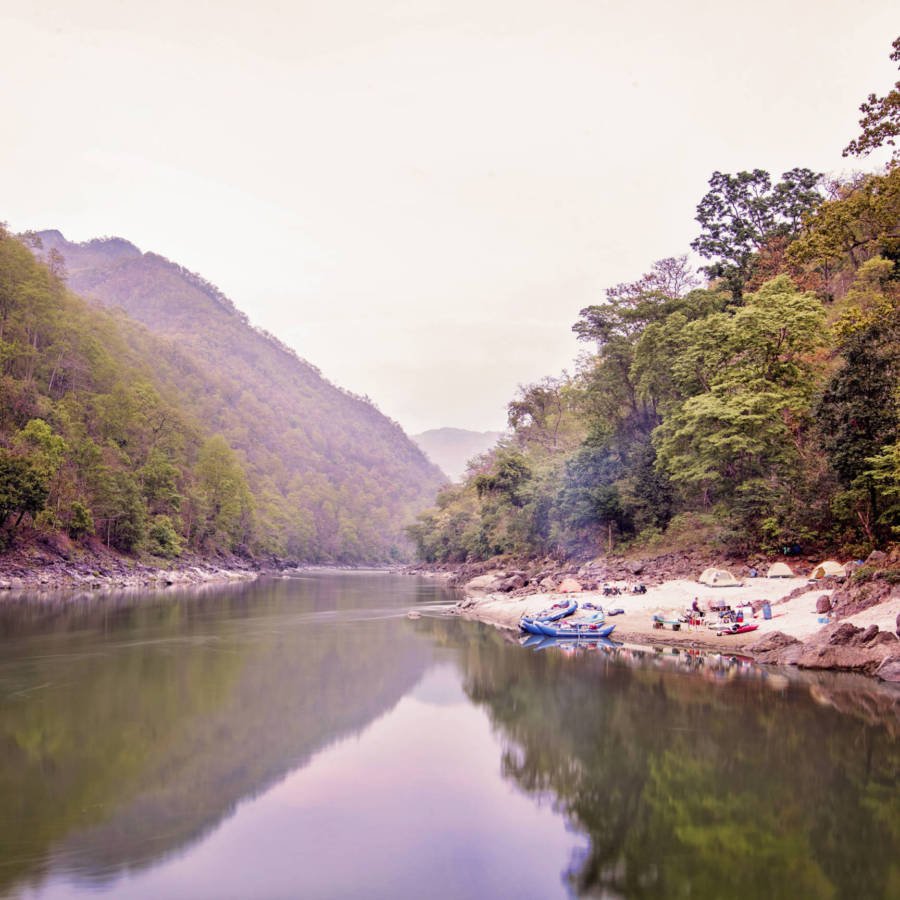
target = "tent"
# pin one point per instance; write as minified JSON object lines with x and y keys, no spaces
{"x":718,"y":578}
{"x":779,"y":570}
{"x":829,"y":569}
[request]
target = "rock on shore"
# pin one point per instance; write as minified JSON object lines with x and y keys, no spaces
{"x":55,"y":563}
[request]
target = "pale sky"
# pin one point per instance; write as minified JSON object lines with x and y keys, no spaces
{"x":419,"y":196}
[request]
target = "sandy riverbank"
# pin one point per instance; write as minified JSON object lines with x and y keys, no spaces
{"x":793,"y":602}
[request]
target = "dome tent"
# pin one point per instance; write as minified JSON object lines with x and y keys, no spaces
{"x":779,"y":570}
{"x":718,"y":578}
{"x":829,"y":569}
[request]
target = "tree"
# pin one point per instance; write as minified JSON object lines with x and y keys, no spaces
{"x":741,"y":212}
{"x":880,"y":121}
{"x":81,"y":522}
{"x":507,"y":477}
{"x":23,"y":488}
{"x":859,"y":223}
{"x":740,"y":423}
{"x":859,"y":409}
{"x":224,"y":485}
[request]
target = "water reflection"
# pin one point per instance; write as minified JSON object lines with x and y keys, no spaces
{"x":131,"y":726}
{"x":250,"y":740}
{"x":705,"y":787}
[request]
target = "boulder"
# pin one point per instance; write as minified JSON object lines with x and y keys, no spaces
{"x":569,"y":586}
{"x":844,"y":634}
{"x":868,"y":634}
{"x":840,"y":647}
{"x":548,"y":583}
{"x":889,"y":670}
{"x":775,"y":640}
{"x":777,"y":648}
{"x":883,"y":637}
{"x":823,"y":604}
{"x":636,"y":567}
{"x":876,"y":556}
{"x":484,"y":584}
{"x":514,"y":582}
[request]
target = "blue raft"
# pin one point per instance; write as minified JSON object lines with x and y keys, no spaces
{"x":588,"y":630}
{"x":552,"y":614}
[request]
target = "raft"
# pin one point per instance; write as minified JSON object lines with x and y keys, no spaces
{"x":734,"y":628}
{"x":552,"y":614}
{"x":589,"y":630}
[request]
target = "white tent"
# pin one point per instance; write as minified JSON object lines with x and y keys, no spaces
{"x":718,"y":578}
{"x":829,"y":569}
{"x":779,"y":570}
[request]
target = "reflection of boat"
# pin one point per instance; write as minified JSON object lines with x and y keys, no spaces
{"x":590,"y":630}
{"x":593,"y":643}
{"x":533,"y":640}
{"x":551,"y":614}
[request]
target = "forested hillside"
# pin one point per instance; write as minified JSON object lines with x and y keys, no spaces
{"x":750,"y":405}
{"x":191,"y":430}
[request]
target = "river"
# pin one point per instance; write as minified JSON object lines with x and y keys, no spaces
{"x":302,"y":737}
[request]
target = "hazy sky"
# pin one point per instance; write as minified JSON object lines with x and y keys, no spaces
{"x":419,"y":196}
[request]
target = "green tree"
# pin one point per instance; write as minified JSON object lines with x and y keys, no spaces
{"x":224,"y":485}
{"x":23,"y":488}
{"x":741,"y":212}
{"x":880,"y":121}
{"x":859,"y":408}
{"x":752,"y":400}
{"x":81,"y":521}
{"x":162,"y":538}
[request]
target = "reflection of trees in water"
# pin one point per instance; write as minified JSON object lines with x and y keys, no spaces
{"x":129,"y":728}
{"x":688,"y":788}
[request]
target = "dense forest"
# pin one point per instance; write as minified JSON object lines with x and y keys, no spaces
{"x":169,"y":423}
{"x":752,"y":405}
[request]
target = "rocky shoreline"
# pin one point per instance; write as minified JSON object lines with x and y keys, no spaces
{"x":863,"y":612}
{"x":55,"y":564}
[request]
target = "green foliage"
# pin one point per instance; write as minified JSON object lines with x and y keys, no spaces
{"x":741,"y":212}
{"x":111,"y":427}
{"x":81,"y":521}
{"x":698,"y":420}
{"x":225,"y":495}
{"x":331,"y":479}
{"x":163,"y":539}
{"x":23,"y":488}
{"x":880,"y":121}
{"x":841,"y":234}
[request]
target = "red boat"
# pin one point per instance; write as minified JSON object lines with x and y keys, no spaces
{"x":733,"y":627}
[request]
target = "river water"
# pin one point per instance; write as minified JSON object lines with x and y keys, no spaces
{"x":303,"y":738}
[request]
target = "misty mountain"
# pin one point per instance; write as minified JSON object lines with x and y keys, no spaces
{"x":452,"y":448}
{"x":332,"y":478}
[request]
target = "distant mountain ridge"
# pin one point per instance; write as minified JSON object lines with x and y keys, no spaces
{"x":452,"y":448}
{"x":333,"y":478}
